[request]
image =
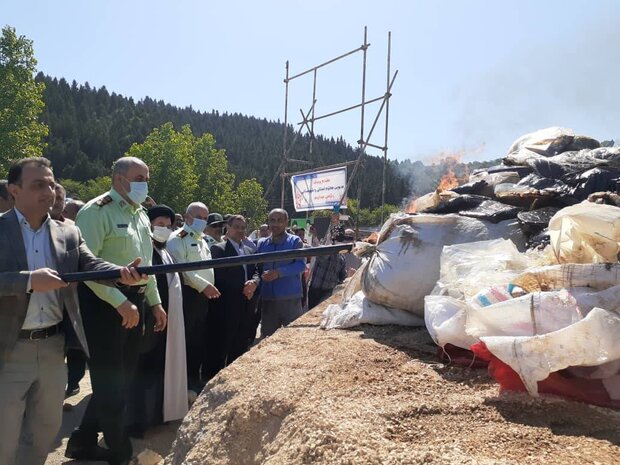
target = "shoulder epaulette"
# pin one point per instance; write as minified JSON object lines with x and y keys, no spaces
{"x":104,"y":201}
{"x":182,"y":234}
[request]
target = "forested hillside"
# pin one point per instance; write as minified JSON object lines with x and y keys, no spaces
{"x":89,"y":128}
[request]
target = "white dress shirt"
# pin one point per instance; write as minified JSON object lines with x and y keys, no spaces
{"x":240,"y":251}
{"x":44,"y":308}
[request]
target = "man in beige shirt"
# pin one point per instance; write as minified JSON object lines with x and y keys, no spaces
{"x":188,"y":245}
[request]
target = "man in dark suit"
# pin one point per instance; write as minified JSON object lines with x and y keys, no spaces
{"x":33,"y":299}
{"x":231,"y":317}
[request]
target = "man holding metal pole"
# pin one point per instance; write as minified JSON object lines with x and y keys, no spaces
{"x":33,"y":299}
{"x":116,"y":228}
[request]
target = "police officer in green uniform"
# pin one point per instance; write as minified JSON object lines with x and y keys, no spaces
{"x":188,"y":245}
{"x":116,"y":228}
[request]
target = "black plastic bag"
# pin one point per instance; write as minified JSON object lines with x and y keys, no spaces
{"x":492,"y":211}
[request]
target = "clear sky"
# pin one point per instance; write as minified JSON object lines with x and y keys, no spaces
{"x":473,"y":75}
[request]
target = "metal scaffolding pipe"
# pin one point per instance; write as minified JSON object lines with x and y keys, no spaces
{"x":363,"y":47}
{"x":342,"y":111}
{"x":387,"y":119}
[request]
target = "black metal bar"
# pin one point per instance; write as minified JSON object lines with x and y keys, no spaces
{"x":214,"y":263}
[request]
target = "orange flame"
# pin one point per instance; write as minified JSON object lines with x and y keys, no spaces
{"x":410,"y":208}
{"x":448,"y":181}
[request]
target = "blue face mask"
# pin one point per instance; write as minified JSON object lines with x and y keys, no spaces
{"x":198,"y":225}
{"x":138,"y":192}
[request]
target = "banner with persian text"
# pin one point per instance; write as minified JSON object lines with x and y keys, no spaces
{"x":321,"y":190}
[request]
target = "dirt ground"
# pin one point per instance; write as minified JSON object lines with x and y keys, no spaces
{"x":371,"y":395}
{"x":157,"y":439}
{"x":377,"y":395}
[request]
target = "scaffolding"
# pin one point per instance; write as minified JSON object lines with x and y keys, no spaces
{"x":309,"y":118}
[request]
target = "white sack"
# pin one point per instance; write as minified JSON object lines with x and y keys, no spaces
{"x":468,"y":268}
{"x":586,"y":233}
{"x":359,"y":310}
{"x":445,"y":319}
{"x":596,"y":276}
{"x":590,"y":342}
{"x":405,"y":265}
{"x":532,"y":314}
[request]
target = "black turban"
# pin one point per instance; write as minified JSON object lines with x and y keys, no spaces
{"x":161,"y":210}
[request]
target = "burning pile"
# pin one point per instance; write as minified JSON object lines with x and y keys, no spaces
{"x":543,"y":172}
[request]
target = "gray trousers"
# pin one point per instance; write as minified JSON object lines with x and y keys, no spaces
{"x":32,"y":387}
{"x":278,"y":313}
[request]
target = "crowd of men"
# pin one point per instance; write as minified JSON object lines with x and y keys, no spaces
{"x":151,"y":343}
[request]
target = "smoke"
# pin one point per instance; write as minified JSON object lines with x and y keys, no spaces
{"x":425,"y":175}
{"x":571,"y":82}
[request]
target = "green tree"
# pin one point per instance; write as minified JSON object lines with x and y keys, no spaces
{"x":172,"y":165}
{"x":250,"y":203}
{"x":366,"y":217}
{"x":184,"y":168}
{"x":87,"y":190}
{"x":215,"y":182}
{"x":21,"y":103}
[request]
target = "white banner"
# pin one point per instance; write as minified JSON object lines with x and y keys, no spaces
{"x":320,"y":190}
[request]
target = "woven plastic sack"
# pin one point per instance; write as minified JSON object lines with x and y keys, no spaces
{"x":547,"y":278}
{"x":586,"y":233}
{"x":532,"y":314}
{"x":467,"y":269}
{"x":590,"y":342}
{"x":404,"y":265}
{"x":359,"y":310}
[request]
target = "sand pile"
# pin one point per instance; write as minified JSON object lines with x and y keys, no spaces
{"x":378,"y":395}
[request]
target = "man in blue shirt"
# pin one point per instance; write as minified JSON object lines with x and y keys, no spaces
{"x":280,"y":281}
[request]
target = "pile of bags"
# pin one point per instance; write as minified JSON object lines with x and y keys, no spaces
{"x":543,"y":172}
{"x":544,"y":320}
{"x":550,"y":329}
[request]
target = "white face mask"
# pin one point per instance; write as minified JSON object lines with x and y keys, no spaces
{"x":161,"y":233}
{"x":138,"y":191}
{"x":198,"y":225}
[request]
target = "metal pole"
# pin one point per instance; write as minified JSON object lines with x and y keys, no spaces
{"x":337,"y":112}
{"x":284,"y":155}
{"x":327,"y":63}
{"x":363,"y":107}
{"x":313,"y":106}
{"x":372,"y":128}
{"x":387,"y":119}
{"x":266,"y":257}
{"x":359,"y":204}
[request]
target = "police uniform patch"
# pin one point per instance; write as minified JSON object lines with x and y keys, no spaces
{"x":104,"y":201}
